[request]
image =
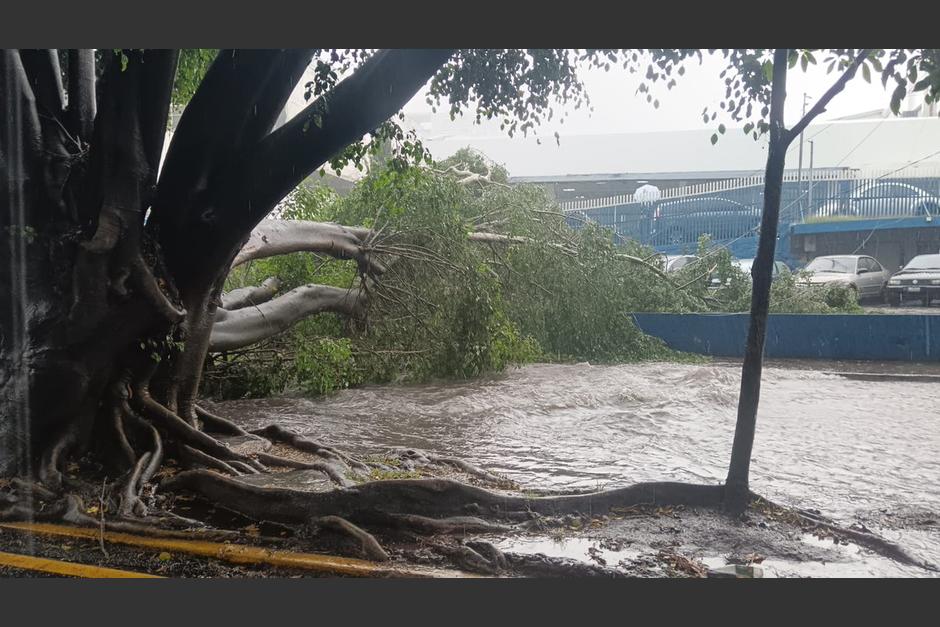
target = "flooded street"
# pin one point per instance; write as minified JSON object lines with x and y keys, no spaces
{"x":856,"y":449}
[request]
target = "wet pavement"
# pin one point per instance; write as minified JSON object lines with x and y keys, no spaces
{"x":854,"y":448}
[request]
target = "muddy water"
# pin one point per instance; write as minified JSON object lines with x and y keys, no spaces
{"x":855,"y":449}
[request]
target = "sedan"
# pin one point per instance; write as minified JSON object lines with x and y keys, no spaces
{"x":883,"y":200}
{"x":860,"y":273}
{"x":918,"y":280}
{"x":684,"y":221}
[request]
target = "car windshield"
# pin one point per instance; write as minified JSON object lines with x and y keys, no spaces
{"x":842,"y":265}
{"x":923,"y":262}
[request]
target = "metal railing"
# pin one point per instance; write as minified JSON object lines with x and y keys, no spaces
{"x":730,"y":210}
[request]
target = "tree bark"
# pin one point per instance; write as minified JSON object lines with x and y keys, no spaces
{"x":80,"y":117}
{"x":737,"y":492}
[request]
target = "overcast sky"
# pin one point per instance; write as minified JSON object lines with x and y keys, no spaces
{"x":618,"y":109}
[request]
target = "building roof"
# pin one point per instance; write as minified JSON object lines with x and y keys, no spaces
{"x":868,"y":143}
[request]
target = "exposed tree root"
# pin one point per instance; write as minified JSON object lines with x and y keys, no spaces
{"x":433,"y":526}
{"x":277,"y":433}
{"x":195,"y":457}
{"x":130,"y":501}
{"x":466,"y":558}
{"x":328,"y":469}
{"x":489,"y":552}
{"x":187,"y":434}
{"x":432,"y":498}
{"x":369,"y":545}
{"x":49,"y":473}
{"x":865,"y":539}
{"x":217,"y":424}
{"x":426,"y":458}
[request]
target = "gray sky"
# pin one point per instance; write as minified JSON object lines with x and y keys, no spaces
{"x":618,"y":109}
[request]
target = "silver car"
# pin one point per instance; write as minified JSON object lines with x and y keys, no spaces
{"x":860,"y":273}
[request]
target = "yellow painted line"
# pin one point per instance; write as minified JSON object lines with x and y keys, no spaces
{"x":244,"y":554}
{"x":69,"y":569}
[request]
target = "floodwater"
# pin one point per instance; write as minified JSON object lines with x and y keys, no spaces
{"x":852,"y":447}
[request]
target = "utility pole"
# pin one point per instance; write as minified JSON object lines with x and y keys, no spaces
{"x":799,"y":167}
{"x":809,"y":194}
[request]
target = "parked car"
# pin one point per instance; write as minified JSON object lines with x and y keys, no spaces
{"x":883,"y":199}
{"x":918,"y":280}
{"x":684,"y":221}
{"x":745,"y":265}
{"x":860,"y":273}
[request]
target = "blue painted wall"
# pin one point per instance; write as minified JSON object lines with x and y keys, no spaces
{"x":809,"y":336}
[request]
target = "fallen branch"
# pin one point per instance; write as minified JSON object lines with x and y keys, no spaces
{"x":251,"y":295}
{"x":280,"y":237}
{"x":243,"y":327}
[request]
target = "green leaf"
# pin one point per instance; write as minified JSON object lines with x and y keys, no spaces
{"x":748,"y":127}
{"x":714,"y":138}
{"x":866,"y":73}
{"x":721,"y":129}
{"x":804,"y":62}
{"x":768,"y":68}
{"x":897,"y":97}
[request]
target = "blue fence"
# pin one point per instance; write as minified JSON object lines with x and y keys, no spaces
{"x":807,"y":336}
{"x":730,"y":211}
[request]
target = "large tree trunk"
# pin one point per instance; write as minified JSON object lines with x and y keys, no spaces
{"x":106,"y":322}
{"x":81,"y":292}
